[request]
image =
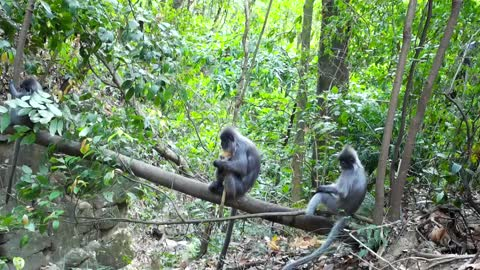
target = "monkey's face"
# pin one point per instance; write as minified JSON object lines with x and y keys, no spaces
{"x":228,"y":145}
{"x":347,"y":164}
{"x":225,"y":155}
{"x":347,"y":159}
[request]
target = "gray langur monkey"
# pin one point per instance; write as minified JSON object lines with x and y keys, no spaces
{"x":27,"y":88}
{"x":346,"y":194}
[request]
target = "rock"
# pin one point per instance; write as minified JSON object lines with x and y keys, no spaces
{"x":78,"y":257}
{"x":116,"y":250}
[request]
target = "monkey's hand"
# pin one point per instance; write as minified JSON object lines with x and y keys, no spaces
{"x":219,"y":163}
{"x":327,"y":189}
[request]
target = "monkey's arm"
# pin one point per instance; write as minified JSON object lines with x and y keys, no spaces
{"x":238,"y":166}
{"x":13,"y":90}
{"x":328,"y":189}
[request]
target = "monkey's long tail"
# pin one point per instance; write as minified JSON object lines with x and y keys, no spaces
{"x":337,"y":227}
{"x":226,"y":243}
{"x":312,"y":204}
{"x":16,"y":148}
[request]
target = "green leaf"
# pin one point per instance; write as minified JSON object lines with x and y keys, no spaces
{"x":60,"y":127}
{"x":48,"y":10}
{"x":133,"y":25}
{"x":55,"y":224}
{"x":107,"y":178}
{"x":29,"y":138}
{"x":24,"y":111}
{"x":440,"y":197}
{"x":3,"y":109}
{"x":42,"y":179}
{"x":4,"y":122}
{"x":30,"y":227}
{"x":43,"y":95}
{"x":46,"y":115}
{"x":105,"y":35}
{"x":108,"y":196}
{"x":53,"y":127}
{"x":456,"y":168}
{"x":84,"y":132}
{"x":127,"y":84}
{"x":20,"y":103}
{"x":54,"y":109}
{"x":19,"y":262}
{"x":132,"y":196}
{"x":129,"y":94}
{"x":363,"y":253}
{"x":36,"y":104}
{"x":55,"y":194}
{"x":26,"y":169}
{"x":73,"y":5}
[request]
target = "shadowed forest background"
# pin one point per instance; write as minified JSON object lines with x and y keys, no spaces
{"x":113,"y":175}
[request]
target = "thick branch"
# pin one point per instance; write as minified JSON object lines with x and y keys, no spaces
{"x":415,"y":124}
{"x":392,"y":108}
{"x":22,"y":37}
{"x":190,"y":186}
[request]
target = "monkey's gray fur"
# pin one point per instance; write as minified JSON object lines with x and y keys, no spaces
{"x":346,"y":194}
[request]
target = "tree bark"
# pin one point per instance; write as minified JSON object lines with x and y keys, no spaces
{"x":299,"y":152}
{"x":242,"y":84}
{"x":22,"y":38}
{"x":398,"y":186}
{"x":332,"y":68}
{"x":387,"y":132}
{"x":246,"y":68}
{"x":189,"y":186}
{"x":408,"y":91}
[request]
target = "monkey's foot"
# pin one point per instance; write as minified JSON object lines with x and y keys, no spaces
{"x":216,"y":187}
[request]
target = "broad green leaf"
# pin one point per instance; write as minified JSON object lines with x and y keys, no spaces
{"x":52,"y":127}
{"x":55,"y":224}
{"x":29,"y":138}
{"x":4,"y":121}
{"x":54,"y":109}
{"x":456,"y":167}
{"x":30,"y":227}
{"x":55,"y":194}
{"x":84,"y":132}
{"x":26,"y":169}
{"x":19,"y":262}
{"x":21,"y":103}
{"x":48,"y":10}
{"x":108,"y":196}
{"x":24,"y":111}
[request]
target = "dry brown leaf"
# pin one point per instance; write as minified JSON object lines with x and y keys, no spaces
{"x":439,"y":235}
{"x":305,"y":242}
{"x":273,"y":243}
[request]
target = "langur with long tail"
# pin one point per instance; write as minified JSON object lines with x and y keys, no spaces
{"x":346,"y":194}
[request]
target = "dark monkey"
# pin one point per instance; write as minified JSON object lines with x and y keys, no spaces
{"x":237,"y":170}
{"x":27,"y":88}
{"x":346,"y":194}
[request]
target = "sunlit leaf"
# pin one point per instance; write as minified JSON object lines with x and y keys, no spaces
{"x":456,"y":167}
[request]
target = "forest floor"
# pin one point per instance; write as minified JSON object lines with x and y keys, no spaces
{"x":430,"y":237}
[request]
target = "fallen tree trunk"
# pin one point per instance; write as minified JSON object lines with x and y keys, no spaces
{"x":190,"y":186}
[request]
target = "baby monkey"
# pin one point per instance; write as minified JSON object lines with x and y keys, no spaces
{"x":346,"y":194}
